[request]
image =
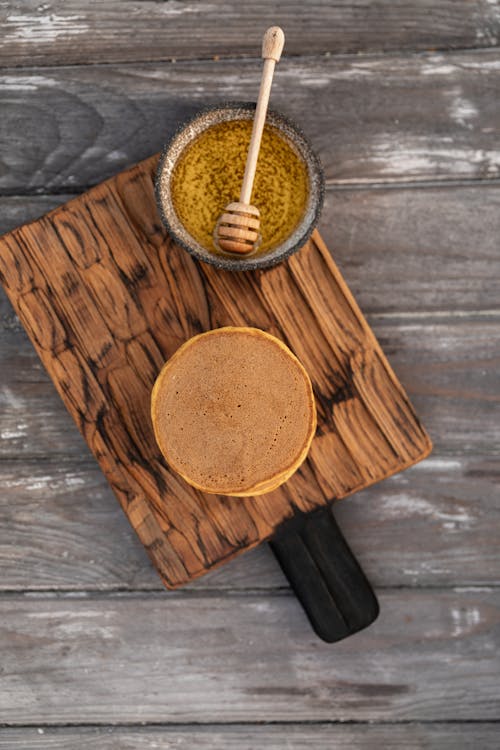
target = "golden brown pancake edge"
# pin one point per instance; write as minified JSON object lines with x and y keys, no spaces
{"x":270,"y":483}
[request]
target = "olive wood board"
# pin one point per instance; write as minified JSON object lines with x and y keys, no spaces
{"x":106,"y":297}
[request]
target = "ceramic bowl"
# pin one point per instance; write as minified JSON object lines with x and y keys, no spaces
{"x":191,"y":130}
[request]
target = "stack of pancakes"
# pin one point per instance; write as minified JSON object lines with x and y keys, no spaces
{"x":233,"y":412}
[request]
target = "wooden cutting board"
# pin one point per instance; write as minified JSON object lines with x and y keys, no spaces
{"x":106,"y":297}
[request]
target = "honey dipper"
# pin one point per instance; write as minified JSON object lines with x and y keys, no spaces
{"x":237,"y":230}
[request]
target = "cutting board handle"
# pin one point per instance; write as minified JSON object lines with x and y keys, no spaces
{"x":325,"y":575}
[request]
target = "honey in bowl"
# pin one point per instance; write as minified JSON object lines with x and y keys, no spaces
{"x":201,"y":170}
{"x":208,"y":176}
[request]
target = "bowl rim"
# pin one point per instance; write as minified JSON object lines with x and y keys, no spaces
{"x":260,"y":261}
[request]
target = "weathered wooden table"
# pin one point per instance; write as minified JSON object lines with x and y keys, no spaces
{"x":402,"y":103}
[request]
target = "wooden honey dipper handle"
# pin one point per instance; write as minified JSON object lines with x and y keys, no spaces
{"x":272,"y":47}
{"x":237,"y":231}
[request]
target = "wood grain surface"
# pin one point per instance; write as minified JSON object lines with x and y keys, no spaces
{"x":384,"y":241}
{"x":248,"y":658}
{"x":410,"y":143}
{"x":448,"y":364}
{"x":377,"y":118}
{"x":73,"y":33}
{"x":320,"y":736}
{"x":106,"y":297}
{"x":456,"y":392}
{"x":66,"y":531}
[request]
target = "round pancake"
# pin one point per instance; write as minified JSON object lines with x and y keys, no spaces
{"x":233,"y":412}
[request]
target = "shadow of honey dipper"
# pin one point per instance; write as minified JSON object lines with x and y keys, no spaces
{"x":237,"y":230}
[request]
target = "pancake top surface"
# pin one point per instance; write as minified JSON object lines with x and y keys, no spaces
{"x":233,"y":409}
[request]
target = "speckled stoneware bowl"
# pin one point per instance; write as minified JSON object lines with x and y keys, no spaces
{"x":193,"y":128}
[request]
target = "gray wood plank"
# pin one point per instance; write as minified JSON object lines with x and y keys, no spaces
{"x":17,"y":210}
{"x":417,"y":250}
{"x":188,"y":658}
{"x":448,"y":365}
{"x":61,"y":528}
{"x":414,"y":736}
{"x":400,"y":249}
{"x":372,"y":119}
{"x":69,"y":32}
